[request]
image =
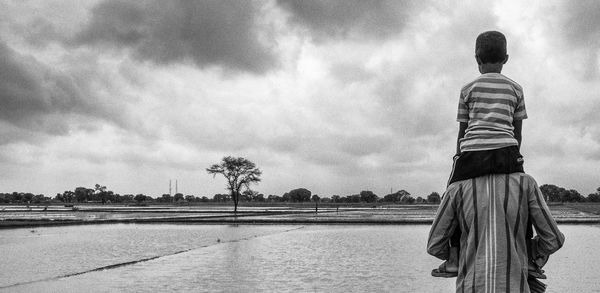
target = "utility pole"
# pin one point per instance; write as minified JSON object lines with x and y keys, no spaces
{"x":176,"y":187}
{"x":170,"y":187}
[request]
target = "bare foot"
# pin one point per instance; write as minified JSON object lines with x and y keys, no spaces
{"x":450,"y":267}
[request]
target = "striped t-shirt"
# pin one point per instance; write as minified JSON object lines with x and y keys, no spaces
{"x":489,"y":104}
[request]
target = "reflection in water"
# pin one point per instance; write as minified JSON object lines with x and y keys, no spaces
{"x":254,"y":258}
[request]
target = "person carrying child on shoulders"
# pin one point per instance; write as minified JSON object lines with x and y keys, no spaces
{"x":491,"y":110}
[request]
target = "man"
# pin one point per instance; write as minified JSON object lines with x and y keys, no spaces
{"x":493,"y":212}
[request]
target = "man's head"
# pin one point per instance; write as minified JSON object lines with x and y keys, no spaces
{"x":490,"y":48}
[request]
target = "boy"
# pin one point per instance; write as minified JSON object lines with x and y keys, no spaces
{"x":491,"y":110}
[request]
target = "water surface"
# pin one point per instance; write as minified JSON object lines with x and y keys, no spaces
{"x":247,"y":258}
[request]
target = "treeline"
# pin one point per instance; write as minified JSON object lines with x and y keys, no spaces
{"x":553,"y":193}
{"x":100,"y":194}
{"x":22,"y":197}
{"x":365,"y":196}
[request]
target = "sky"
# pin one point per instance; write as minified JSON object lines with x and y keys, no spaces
{"x":333,"y":96}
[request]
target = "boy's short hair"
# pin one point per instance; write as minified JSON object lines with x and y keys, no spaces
{"x":490,"y":47}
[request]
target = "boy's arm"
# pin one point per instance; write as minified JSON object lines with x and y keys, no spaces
{"x":462,"y":128}
{"x":518,"y":126}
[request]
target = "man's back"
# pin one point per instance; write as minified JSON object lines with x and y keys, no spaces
{"x":493,"y":213}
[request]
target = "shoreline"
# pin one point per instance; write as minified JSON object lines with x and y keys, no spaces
{"x":45,"y":223}
{"x":25,"y":217}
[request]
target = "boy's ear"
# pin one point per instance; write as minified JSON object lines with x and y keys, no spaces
{"x":505,"y":59}
{"x":478,"y":60}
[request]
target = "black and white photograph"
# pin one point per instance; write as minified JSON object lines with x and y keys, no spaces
{"x":299,"y":146}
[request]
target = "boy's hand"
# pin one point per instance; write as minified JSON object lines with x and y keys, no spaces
{"x":541,"y":260}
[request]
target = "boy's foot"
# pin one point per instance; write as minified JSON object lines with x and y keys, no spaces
{"x":445,"y":271}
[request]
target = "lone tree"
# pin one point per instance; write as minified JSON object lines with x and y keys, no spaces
{"x":239,"y":173}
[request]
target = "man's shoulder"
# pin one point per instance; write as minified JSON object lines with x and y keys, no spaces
{"x":527,"y":179}
{"x":458,"y":187}
{"x":467,"y":184}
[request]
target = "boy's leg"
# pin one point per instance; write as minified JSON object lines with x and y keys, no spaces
{"x":455,"y":238}
{"x":454,"y":170}
{"x":516,"y":160}
{"x":452,"y":263}
{"x":449,"y":268}
{"x":507,"y":160}
{"x":478,"y":163}
{"x":471,"y":165}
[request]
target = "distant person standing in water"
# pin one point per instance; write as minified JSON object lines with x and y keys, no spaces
{"x":491,"y":110}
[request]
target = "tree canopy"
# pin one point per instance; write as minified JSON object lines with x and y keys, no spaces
{"x":298,"y":195}
{"x":555,"y":193}
{"x":368,"y":196}
{"x":433,"y":197}
{"x":399,"y":196}
{"x":239,"y":172}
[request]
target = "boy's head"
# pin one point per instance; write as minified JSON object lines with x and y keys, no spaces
{"x":490,"y":48}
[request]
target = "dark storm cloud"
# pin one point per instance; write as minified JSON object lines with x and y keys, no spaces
{"x":38,"y":100}
{"x":29,"y":92}
{"x":209,"y":33}
{"x":371,"y":19}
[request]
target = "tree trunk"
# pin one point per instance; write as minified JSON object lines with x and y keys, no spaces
{"x":236,"y":197}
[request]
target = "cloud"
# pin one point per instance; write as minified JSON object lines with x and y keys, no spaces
{"x":575,"y":25}
{"x":345,"y":95}
{"x":39,"y":32}
{"x":348,"y":72}
{"x":582,"y":23}
{"x":357,"y":19}
{"x":32,"y":96}
{"x":38,"y":100}
{"x":230,"y":34}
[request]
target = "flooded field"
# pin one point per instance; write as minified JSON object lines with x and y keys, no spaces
{"x":31,"y":216}
{"x":251,"y":258}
